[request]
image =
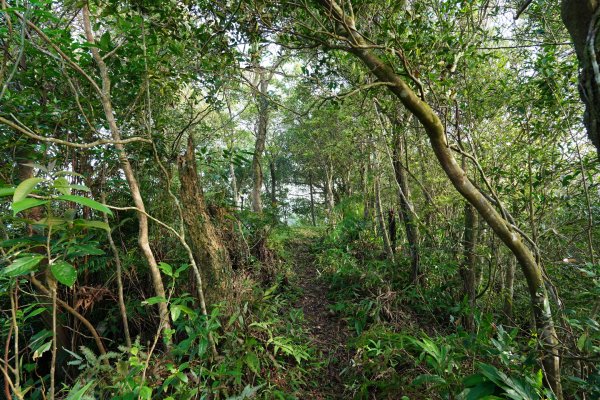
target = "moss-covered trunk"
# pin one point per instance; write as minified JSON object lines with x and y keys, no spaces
{"x":210,"y":254}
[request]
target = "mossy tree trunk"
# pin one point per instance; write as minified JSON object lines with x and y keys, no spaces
{"x":581,"y":17}
{"x":434,"y":128}
{"x":209,"y":251}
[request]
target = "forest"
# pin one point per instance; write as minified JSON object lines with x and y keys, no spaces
{"x":299,"y":199}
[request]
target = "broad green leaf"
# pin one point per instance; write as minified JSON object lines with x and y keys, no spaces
{"x":79,"y":250}
{"x":202,"y":346}
{"x":253,"y":362}
{"x":51,"y":221}
{"x":64,"y":272}
{"x":34,"y":313}
{"x":26,"y":204}
{"x":25,"y":188}
{"x":165,"y":268}
{"x":7,"y":191}
{"x":22,"y":266}
{"x":16,"y":242}
{"x":249,"y":392}
{"x":91,"y":224}
{"x":80,"y":187}
{"x":62,"y":185}
{"x":175,"y":312}
{"x":41,"y":350}
{"x":154,"y":300}
{"x":145,"y":393}
{"x":581,"y":341}
{"x":70,"y":173}
{"x":77,"y":394}
{"x":478,"y":392}
{"x":84,"y":201}
{"x":426,"y":378}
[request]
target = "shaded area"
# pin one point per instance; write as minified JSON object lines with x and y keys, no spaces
{"x":327,"y":333}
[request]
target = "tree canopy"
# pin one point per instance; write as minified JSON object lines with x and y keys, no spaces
{"x":299,"y":199}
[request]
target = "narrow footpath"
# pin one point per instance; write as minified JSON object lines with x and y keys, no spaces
{"x":327,"y":333}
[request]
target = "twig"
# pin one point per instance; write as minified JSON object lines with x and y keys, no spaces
{"x":28,"y":132}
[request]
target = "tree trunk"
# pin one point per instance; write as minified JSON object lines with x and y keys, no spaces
{"x":467,"y":267}
{"x":143,"y":238}
{"x":237,"y":203}
{"x":312,"y":199}
{"x":509,"y":287}
{"x":406,"y":209}
{"x":261,"y":138}
{"x":209,"y":252}
{"x":436,"y":133}
{"x":273,"y":184}
{"x":364,"y":181}
{"x":393,"y":229}
{"x":381,"y":220}
{"x":329,"y":199}
{"x":581,"y":19}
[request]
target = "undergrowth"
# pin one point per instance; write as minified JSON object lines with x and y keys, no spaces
{"x":409,"y":342}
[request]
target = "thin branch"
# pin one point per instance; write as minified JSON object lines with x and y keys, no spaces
{"x":64,"y":56}
{"x":522,"y":9}
{"x":28,"y":132}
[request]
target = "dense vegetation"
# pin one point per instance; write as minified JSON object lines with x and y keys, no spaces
{"x":371,"y":199}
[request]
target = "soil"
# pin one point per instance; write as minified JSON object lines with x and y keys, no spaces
{"x":328,"y":334}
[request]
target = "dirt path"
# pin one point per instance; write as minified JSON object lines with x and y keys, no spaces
{"x":328,"y":334}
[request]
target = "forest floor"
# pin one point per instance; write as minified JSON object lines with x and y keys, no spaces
{"x":327,"y":333}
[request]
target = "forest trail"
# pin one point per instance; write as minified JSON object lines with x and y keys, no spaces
{"x":327,"y":333}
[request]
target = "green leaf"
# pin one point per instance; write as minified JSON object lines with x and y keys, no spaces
{"x":249,"y":392}
{"x":79,"y":250}
{"x":165,"y":268}
{"x":80,"y":187}
{"x":62,"y":185}
{"x":426,"y":378}
{"x":154,"y":300}
{"x":77,"y":394}
{"x":41,"y":350}
{"x":64,"y":272}
{"x":478,"y":392}
{"x":105,"y":41}
{"x":91,"y":224}
{"x":175,"y":312}
{"x":84,"y":201}
{"x":202,"y":346}
{"x":26,"y":204}
{"x":50,"y":221}
{"x":253,"y":362}
{"x":25,"y":188}
{"x":7,"y":191}
{"x":22,"y":266}
{"x":581,"y":341}
{"x":145,"y":393}
{"x":70,"y":173}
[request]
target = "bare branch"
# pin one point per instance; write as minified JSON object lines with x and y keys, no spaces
{"x":29,"y":133}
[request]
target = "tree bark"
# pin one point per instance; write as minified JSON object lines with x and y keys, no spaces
{"x":467,"y":267}
{"x":312,"y":199}
{"x":393,"y":229}
{"x":261,"y":138}
{"x":381,"y":220}
{"x":273,"y":184}
{"x":237,"y":202}
{"x":329,"y":199}
{"x":406,"y":208}
{"x":210,"y":253}
{"x":119,"y":274}
{"x":509,"y":287}
{"x":435,"y":130}
{"x":143,"y":238}
{"x":581,"y":19}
